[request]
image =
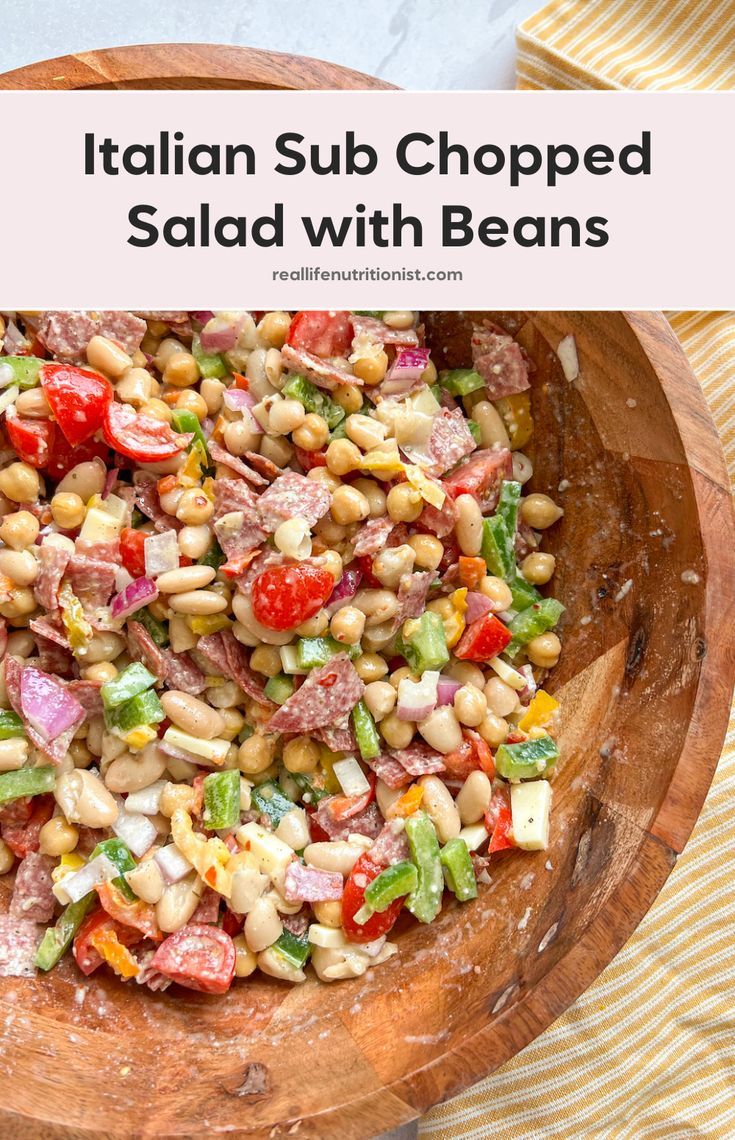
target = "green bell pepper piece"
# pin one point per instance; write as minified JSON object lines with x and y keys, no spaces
{"x":459,"y":873}
{"x":295,"y":950}
{"x":527,"y":760}
{"x":497,"y":549}
{"x":25,"y":370}
{"x":425,"y":901}
{"x":507,"y":508}
{"x":279,"y":688}
{"x":301,"y":389}
{"x":134,"y":679}
{"x":245,"y":733}
{"x":475,"y":432}
{"x":377,"y":313}
{"x":26,"y":782}
{"x":118,"y":852}
{"x":395,"y":882}
{"x":524,"y":594}
{"x":269,"y":799}
{"x":366,"y":733}
{"x":157,"y":630}
{"x":222,"y":799}
{"x":58,"y":938}
{"x":211,"y":365}
{"x":10,"y":725}
{"x":314,"y":651}
{"x":143,"y":709}
{"x":307,"y":788}
{"x":185,"y":421}
{"x":423,"y":643}
{"x":461,"y":381}
{"x":533,"y":621}
{"x":214,"y":556}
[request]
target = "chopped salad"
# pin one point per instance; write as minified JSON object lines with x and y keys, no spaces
{"x":273,"y":643}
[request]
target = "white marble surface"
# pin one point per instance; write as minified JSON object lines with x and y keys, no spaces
{"x":417,"y":44}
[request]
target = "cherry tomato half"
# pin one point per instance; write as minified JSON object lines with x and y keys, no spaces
{"x":23,"y":837}
{"x":132,"y":551}
{"x":323,"y":333}
{"x":499,"y":822}
{"x":285,"y":596}
{"x":141,"y":437}
{"x":63,"y":456}
{"x":31,"y":439}
{"x":78,"y":399}
{"x":481,"y":475}
{"x":198,"y":957}
{"x":361,"y":875}
{"x":139,"y":915}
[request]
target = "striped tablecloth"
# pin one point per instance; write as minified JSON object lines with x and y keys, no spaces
{"x":649,"y":1050}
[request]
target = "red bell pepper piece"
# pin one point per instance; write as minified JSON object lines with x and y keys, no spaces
{"x":483,"y":640}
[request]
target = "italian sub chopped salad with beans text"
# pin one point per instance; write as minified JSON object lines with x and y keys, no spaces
{"x":273,"y":639}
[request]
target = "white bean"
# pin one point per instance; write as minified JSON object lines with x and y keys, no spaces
{"x":441,"y":729}
{"x":178,"y":903}
{"x":185,"y":578}
{"x":474,"y":797}
{"x":198,"y":603}
{"x":276,"y":966}
{"x":293,"y":538}
{"x":191,"y":714}
{"x":294,"y":829}
{"x":440,"y":808}
{"x":336,"y":856}
{"x":469,"y":525}
{"x":147,"y":881}
{"x":83,"y":798}
{"x":262,"y":925}
{"x":492,"y":427}
{"x":130,"y":773}
{"x":13,"y":754}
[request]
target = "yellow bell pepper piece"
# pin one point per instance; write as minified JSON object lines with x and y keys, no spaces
{"x":191,"y":470}
{"x":327,"y":760}
{"x":78,"y":629}
{"x":454,"y":624}
{"x":207,"y":856}
{"x":407,"y":804}
{"x":138,"y":737}
{"x":384,"y":459}
{"x":211,"y":623}
{"x":67,"y":865}
{"x":539,"y":712}
{"x":107,"y":944}
{"x":429,"y":490}
{"x":516,"y":413}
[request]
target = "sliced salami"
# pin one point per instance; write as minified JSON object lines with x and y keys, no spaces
{"x":52,"y":564}
{"x":298,"y":923}
{"x":66,"y":333}
{"x":378,"y":332}
{"x":229,"y":659}
{"x":19,"y":939}
{"x":500,"y":361}
{"x":264,"y":466}
{"x":142,"y":647}
{"x":324,"y":373}
{"x":328,"y":694}
{"x":92,"y":580}
{"x":372,"y":536}
{"x":33,"y":897}
{"x":391,"y":846}
{"x":107,"y":551}
{"x":481,"y":475}
{"x":149,"y":504}
{"x":88,"y":695}
{"x":182,"y":673}
{"x":233,"y":495}
{"x":208,"y":908}
{"x":440,"y":521}
{"x":167,"y":316}
{"x":337,"y":738}
{"x":412,"y":591}
{"x":390,"y":771}
{"x":450,"y":440}
{"x":419,"y":759}
{"x":54,"y":658}
{"x":222,"y":456}
{"x":49,"y":632}
{"x":149,"y":976}
{"x":307,"y":884}
{"x":526,"y":540}
{"x":291,"y":496}
{"x":368,"y":822}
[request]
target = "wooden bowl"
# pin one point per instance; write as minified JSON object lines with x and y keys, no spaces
{"x":645,"y":570}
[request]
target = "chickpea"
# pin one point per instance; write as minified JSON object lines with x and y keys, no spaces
{"x":470,"y":706}
{"x":539,"y":511}
{"x":538,"y":568}
{"x":331,"y":560}
{"x":137,"y":387}
{"x":106,"y":356}
{"x":301,"y":754}
{"x":370,"y":667}
{"x":378,"y":606}
{"x":20,"y":483}
{"x":33,"y":404}
{"x":429,"y":551}
{"x":349,"y":505}
{"x":103,"y":646}
{"x":342,"y":456}
{"x":19,"y":530}
{"x":324,"y":476}
{"x":57,"y":837}
{"x":212,"y":392}
{"x":7,"y":859}
{"x":544,"y":651}
{"x":104,"y":671}
{"x":348,"y":625}
{"x":194,"y":541}
{"x":277,"y":449}
{"x":181,"y":370}
{"x":170,"y":500}
{"x":286,"y":416}
{"x":157,"y":410}
{"x":21,"y":643}
{"x":404,"y":503}
{"x":239,"y":438}
{"x":501,"y":699}
{"x":315,"y":626}
{"x":399,"y":319}
{"x":391,"y":563}
{"x":380,"y":697}
{"x":192,"y":402}
{"x":312,"y":434}
{"x":330,"y":532}
{"x":497,"y":591}
{"x":194,"y":507}
{"x":19,"y":565}
{"x":374,"y":494}
{"x":68,"y":510}
{"x":266,"y":659}
{"x":493,"y":730}
{"x":371,"y":369}
{"x":397,"y":733}
{"x":328,"y":913}
{"x":273,"y":328}
{"x":22,"y":602}
{"x":467,"y":673}
{"x":349,"y":397}
{"x":255,"y":754}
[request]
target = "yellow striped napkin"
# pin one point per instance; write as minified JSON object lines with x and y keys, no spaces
{"x":649,"y":1050}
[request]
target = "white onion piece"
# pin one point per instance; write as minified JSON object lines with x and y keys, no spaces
{"x":9,"y":396}
{"x":352,"y":779}
{"x":146,"y":800}
{"x":161,"y":553}
{"x":136,"y":830}
{"x":567,"y":353}
{"x":172,"y":864}
{"x":98,"y":870}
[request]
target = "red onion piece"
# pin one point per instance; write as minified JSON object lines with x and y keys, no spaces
{"x":3,"y":637}
{"x":141,"y":592}
{"x":47,"y":705}
{"x":446,"y":689}
{"x":221,"y":331}
{"x":110,"y":481}
{"x":345,"y":589}
{"x":525,"y":696}
{"x":238,"y":400}
{"x":405,"y":372}
{"x":477,"y":606}
{"x":203,"y":315}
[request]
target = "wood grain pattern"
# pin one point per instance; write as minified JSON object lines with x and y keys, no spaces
{"x":645,"y":682}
